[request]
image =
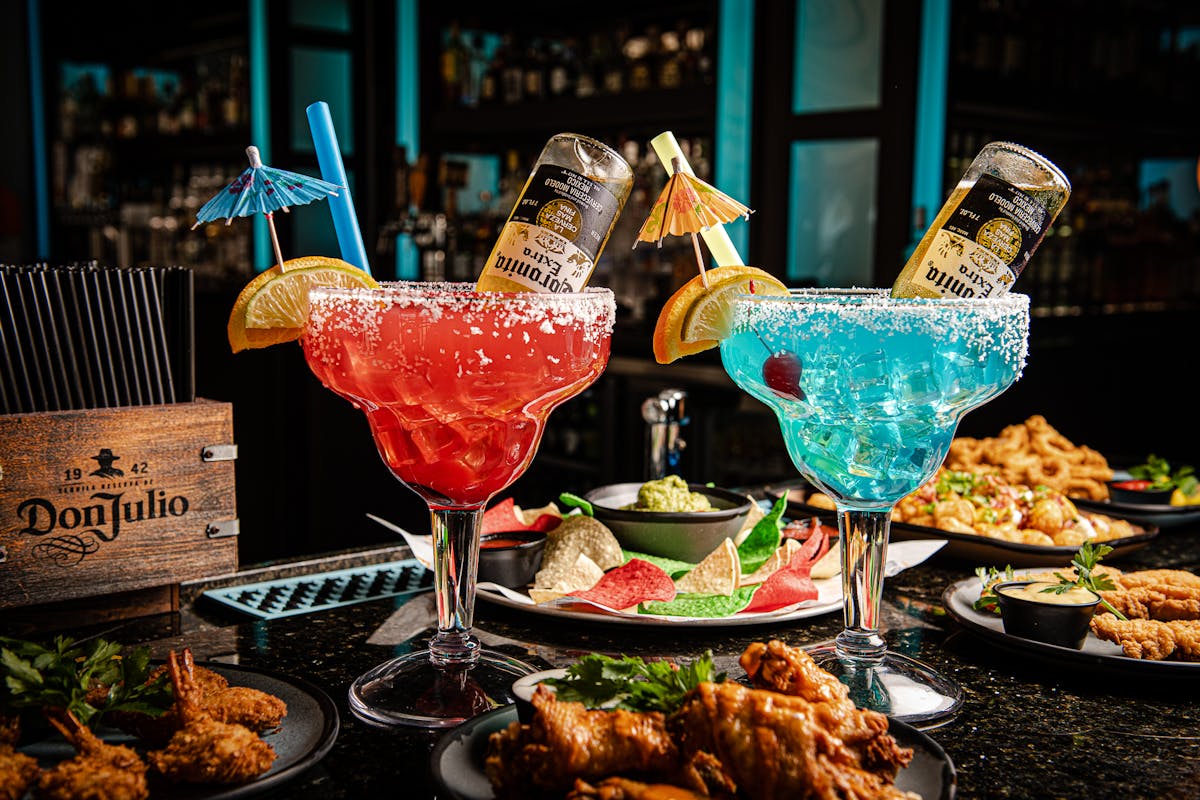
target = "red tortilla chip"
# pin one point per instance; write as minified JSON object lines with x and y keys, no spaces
{"x":783,"y":587}
{"x":503,"y":517}
{"x":635,"y":581}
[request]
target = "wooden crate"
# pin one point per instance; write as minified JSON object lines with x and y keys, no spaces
{"x":105,"y":502}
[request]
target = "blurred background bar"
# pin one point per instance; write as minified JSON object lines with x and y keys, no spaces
{"x":843,"y":124}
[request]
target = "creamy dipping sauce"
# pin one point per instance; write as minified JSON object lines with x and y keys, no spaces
{"x":1075,"y":596}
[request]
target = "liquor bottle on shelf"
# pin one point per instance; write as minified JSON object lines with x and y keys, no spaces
{"x":561,"y":221}
{"x":454,"y":65}
{"x":512,"y":76}
{"x":989,"y":226}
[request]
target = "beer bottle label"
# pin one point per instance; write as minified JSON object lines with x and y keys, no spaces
{"x":551,"y":241}
{"x":985,"y":243}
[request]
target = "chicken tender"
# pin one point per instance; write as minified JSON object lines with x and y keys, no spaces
{"x":1146,"y":577}
{"x":1150,"y":639}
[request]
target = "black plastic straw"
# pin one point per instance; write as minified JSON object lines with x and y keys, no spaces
{"x":62,"y":359}
{"x":43,"y":386}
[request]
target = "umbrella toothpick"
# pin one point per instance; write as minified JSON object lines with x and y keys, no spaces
{"x":700,"y":260}
{"x":275,"y":240}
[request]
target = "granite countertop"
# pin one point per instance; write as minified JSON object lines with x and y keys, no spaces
{"x":1028,"y":727}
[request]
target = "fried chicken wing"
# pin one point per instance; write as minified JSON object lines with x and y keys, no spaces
{"x":205,"y":750}
{"x":772,"y":746}
{"x":566,"y":741}
{"x":1150,"y":639}
{"x":99,"y":771}
{"x":792,"y":671}
{"x":618,"y":788}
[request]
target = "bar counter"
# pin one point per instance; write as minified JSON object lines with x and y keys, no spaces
{"x":1028,"y":728}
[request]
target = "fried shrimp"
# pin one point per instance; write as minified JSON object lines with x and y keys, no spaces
{"x":99,"y":771}
{"x":205,"y":750}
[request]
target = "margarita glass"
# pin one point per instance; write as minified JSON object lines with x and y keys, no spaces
{"x":457,"y":386}
{"x":869,"y":390}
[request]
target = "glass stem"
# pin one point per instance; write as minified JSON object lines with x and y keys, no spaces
{"x":456,"y":563}
{"x":864,"y":552}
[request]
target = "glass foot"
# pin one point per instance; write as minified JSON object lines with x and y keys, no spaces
{"x":410,"y":690}
{"x":901,"y":687}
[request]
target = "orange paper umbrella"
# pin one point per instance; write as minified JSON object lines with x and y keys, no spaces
{"x":688,"y":205}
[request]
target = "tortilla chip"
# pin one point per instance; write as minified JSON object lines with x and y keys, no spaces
{"x":782,"y":555}
{"x":786,"y":586}
{"x":717,"y":573}
{"x":763,"y":539}
{"x":830,"y":564}
{"x":583,"y":573}
{"x":756,"y":513}
{"x":579,"y":533}
{"x":705,"y":606}
{"x":634,"y":582}
{"x":546,"y":518}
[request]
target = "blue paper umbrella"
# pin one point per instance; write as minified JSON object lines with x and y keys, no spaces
{"x":264,"y":190}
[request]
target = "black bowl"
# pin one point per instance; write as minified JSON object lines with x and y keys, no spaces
{"x":682,"y":535}
{"x":1141,"y":497}
{"x":1062,"y":624}
{"x":524,"y":687}
{"x":511,"y":558}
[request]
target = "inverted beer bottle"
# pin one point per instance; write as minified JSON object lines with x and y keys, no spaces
{"x":989,"y":227}
{"x":562,"y":219}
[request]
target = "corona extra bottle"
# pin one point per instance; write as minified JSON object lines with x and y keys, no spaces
{"x":561,"y":220}
{"x":988,"y":228}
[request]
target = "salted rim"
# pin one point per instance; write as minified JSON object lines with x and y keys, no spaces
{"x":595,"y":305}
{"x":413,"y":291}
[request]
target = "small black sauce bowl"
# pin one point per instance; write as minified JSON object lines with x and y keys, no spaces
{"x":512,"y":564}
{"x":524,"y":687}
{"x":1139,"y":497}
{"x":1051,"y":623}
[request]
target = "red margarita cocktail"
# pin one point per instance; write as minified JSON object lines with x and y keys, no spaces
{"x":457,"y":386}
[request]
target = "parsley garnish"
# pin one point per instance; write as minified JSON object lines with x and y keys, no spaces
{"x":1086,"y":559}
{"x":63,"y":673}
{"x":989,"y":577}
{"x":597,"y":680}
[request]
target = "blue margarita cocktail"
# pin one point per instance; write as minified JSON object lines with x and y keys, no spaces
{"x":868,"y":390}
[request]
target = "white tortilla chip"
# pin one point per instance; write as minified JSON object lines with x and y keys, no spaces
{"x":829,"y":564}
{"x":781,"y":556}
{"x":549,"y":584}
{"x":530,"y":516}
{"x":579,"y":533}
{"x":756,"y":513}
{"x":716,"y":574}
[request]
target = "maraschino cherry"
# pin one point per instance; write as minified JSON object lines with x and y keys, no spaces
{"x":781,"y":372}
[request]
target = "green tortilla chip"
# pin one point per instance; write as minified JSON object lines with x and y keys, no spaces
{"x":668,"y":565}
{"x":701,"y":605}
{"x":764,"y":538}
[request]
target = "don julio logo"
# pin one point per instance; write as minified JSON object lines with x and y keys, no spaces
{"x":69,"y":532}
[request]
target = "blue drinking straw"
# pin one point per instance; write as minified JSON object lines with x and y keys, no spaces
{"x":329,"y":156}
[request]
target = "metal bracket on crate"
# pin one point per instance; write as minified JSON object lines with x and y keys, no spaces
{"x":219,"y":452}
{"x":223,"y":527}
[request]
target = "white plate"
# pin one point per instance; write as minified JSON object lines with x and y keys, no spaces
{"x":901,"y":556}
{"x":1097,"y":654}
{"x":829,"y":598}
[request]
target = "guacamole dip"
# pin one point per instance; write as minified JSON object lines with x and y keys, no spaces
{"x":669,"y":494}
